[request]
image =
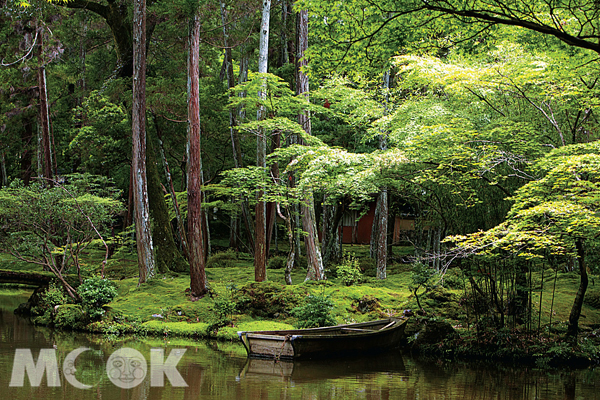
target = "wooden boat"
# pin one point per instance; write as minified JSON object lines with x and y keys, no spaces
{"x":340,"y":340}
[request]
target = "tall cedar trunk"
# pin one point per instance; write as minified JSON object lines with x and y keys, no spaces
{"x":382,"y":238}
{"x":311,"y":240}
{"x":379,"y":236}
{"x":260,"y":252}
{"x":168,"y":256}
{"x":194,"y":167}
{"x":44,"y":115}
{"x":573,"y":327}
{"x":140,"y":188}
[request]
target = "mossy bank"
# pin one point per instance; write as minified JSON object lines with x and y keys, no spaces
{"x":162,"y":308}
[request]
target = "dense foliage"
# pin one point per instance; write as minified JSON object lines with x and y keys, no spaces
{"x":477,"y":121}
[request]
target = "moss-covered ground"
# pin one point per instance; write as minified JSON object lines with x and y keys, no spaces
{"x":162,"y":307}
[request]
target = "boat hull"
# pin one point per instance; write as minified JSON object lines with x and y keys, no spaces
{"x":340,"y":340}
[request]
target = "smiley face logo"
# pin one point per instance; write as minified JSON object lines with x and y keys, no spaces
{"x":126,"y":368}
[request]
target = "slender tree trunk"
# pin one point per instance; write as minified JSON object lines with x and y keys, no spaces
{"x":194,"y":167}
{"x":260,"y":252}
{"x":311,"y":240}
{"x":140,"y":190}
{"x":382,"y":228}
{"x":573,"y":328}
{"x":285,"y":55}
{"x":44,"y":114}
{"x":379,"y":245}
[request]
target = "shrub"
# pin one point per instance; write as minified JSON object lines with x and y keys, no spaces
{"x":52,"y":297}
{"x":349,"y":271}
{"x":96,"y":292}
{"x":454,"y":279}
{"x":277,"y":262}
{"x":69,"y":316}
{"x":223,"y":311}
{"x":46,"y":303}
{"x":315,"y":313}
{"x":223,"y":259}
{"x":266,"y":299}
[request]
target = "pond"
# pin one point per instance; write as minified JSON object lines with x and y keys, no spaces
{"x":217,"y":370}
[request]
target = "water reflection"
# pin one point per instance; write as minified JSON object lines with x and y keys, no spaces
{"x":214,"y":370}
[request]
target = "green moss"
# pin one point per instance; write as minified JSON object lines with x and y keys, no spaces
{"x":183,"y":329}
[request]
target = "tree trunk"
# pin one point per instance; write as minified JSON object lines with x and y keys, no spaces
{"x":140,"y":191}
{"x":285,"y":55}
{"x":315,"y":271}
{"x":382,"y":228}
{"x":379,"y":245}
{"x":194,"y":167}
{"x":573,"y":327}
{"x":311,"y":240}
{"x":44,"y":115}
{"x":115,"y":15}
{"x":260,"y":252}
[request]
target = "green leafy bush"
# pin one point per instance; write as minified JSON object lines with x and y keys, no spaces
{"x":96,"y":292}
{"x":69,"y":316}
{"x":223,"y":311}
{"x":315,"y":313}
{"x":54,"y":296}
{"x":47,"y":301}
{"x":349,"y":271}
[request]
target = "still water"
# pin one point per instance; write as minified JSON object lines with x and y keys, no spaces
{"x":214,"y":370}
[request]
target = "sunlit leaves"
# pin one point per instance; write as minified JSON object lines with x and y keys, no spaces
{"x":548,"y":214}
